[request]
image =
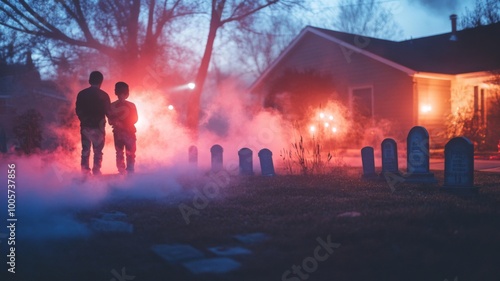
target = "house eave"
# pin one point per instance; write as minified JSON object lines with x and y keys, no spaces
{"x":310,"y":29}
{"x":478,"y":74}
{"x":362,"y":51}
{"x":434,"y":75}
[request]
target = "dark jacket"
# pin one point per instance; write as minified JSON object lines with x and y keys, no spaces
{"x":92,"y":105}
{"x":123,"y":116}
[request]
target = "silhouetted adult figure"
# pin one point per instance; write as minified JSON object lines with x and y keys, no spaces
{"x":92,"y":105}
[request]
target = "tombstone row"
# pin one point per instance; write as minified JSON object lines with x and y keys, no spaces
{"x":245,"y":156}
{"x":459,"y":161}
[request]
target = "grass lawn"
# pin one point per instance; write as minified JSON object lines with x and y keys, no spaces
{"x":415,"y":232}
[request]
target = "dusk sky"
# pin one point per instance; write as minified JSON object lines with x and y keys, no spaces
{"x":418,"y":18}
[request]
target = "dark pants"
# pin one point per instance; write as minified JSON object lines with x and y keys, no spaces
{"x":92,"y":137}
{"x":125,"y":141}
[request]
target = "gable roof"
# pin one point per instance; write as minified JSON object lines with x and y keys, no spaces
{"x":475,"y":49}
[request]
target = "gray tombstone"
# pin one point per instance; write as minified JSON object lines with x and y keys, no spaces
{"x":417,"y":159}
{"x":368,"y":160}
{"x":246,"y":162}
{"x":193,"y":155}
{"x":389,"y":157}
{"x":216,"y":152}
{"x":266,"y":162}
{"x":459,"y":166}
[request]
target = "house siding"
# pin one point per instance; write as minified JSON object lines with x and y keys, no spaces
{"x":392,"y":88}
{"x":436,"y":94}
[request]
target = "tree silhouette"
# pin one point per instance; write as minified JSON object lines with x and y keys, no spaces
{"x":28,"y":131}
{"x":484,"y":12}
{"x":222,"y":12}
{"x":130,"y":33}
{"x":133,"y":34}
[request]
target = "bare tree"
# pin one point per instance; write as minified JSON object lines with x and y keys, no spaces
{"x":366,"y":17}
{"x":132,"y":34}
{"x":484,"y":12}
{"x":128,"y":32}
{"x":223,"y":12}
{"x":259,"y":44}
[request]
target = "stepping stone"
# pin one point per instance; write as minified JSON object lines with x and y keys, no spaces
{"x":229,"y":251}
{"x":111,"y":226}
{"x":175,"y":253}
{"x":212,"y":265}
{"x":252,"y":238}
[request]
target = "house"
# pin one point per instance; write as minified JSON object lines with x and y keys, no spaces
{"x":421,"y":81}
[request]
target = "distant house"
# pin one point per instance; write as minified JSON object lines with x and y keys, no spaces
{"x":21,"y":89}
{"x":413,"y":82}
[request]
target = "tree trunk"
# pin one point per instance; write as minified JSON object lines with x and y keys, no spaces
{"x":193,"y":111}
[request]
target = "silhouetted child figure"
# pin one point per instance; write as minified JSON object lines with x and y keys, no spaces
{"x":122,"y":117}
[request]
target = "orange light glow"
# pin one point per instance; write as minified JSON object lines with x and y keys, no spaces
{"x":331,"y":120}
{"x":149,"y":109}
{"x":426,"y":108}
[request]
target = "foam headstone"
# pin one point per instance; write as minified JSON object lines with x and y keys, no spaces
{"x":216,"y":151}
{"x":389,"y":157}
{"x":193,"y":155}
{"x":266,"y":162}
{"x":368,"y":160}
{"x":246,"y":162}
{"x":417,"y":159}
{"x":459,"y":166}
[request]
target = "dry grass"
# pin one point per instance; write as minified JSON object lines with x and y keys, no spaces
{"x":413,"y":233}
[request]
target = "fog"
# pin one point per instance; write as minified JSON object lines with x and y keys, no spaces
{"x":50,"y":191}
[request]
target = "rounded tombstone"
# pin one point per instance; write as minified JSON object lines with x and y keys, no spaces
{"x":266,"y":162}
{"x":459,"y":163}
{"x":193,"y":154}
{"x":245,"y":159}
{"x":216,"y":159}
{"x":417,"y":149}
{"x":389,"y":156}
{"x":368,"y":161}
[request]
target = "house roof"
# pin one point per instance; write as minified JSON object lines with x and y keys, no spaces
{"x":475,"y":49}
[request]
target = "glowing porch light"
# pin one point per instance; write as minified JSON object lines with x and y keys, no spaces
{"x":170,"y":107}
{"x":426,"y":108}
{"x":191,"y":86}
{"x":321,"y":115}
{"x":334,"y":129}
{"x":327,"y":125}
{"x":331,"y":117}
{"x":312,"y":129}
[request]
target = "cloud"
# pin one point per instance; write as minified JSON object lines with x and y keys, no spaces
{"x":444,"y":7}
